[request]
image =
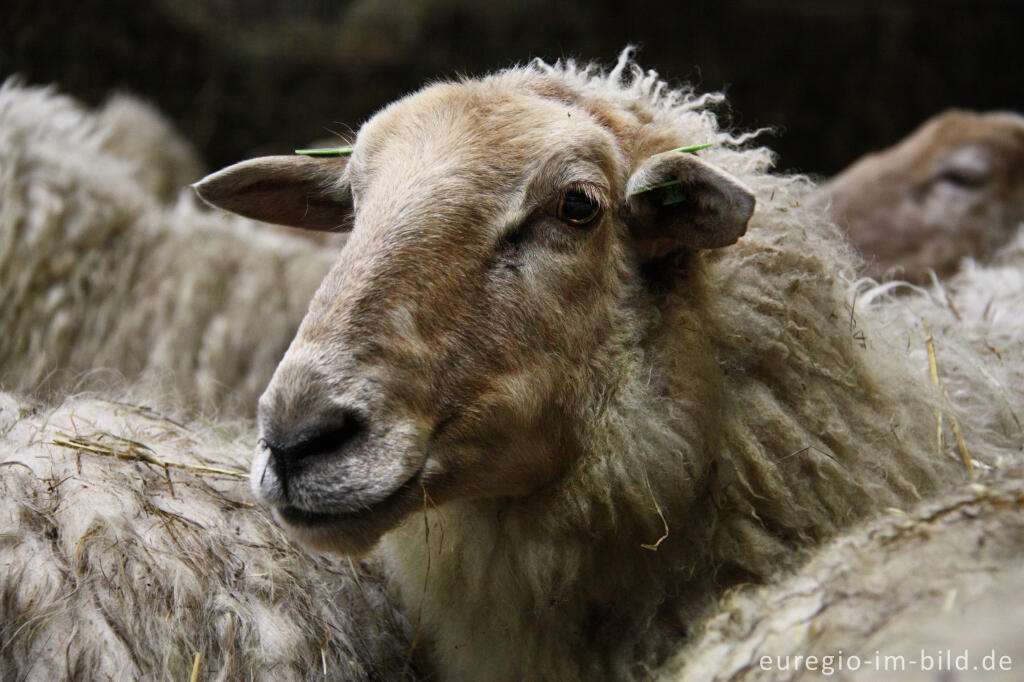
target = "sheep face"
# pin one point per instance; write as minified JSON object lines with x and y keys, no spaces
{"x":489,"y":284}
{"x":953,"y":189}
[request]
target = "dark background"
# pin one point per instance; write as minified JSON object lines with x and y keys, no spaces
{"x":836,"y":78}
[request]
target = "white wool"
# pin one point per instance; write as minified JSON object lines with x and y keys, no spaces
{"x":114,"y":569}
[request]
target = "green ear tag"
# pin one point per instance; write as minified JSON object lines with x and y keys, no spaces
{"x":325,"y":151}
{"x":674,"y":193}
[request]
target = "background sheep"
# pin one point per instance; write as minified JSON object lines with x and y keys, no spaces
{"x":101,"y":280}
{"x":577,"y":467}
{"x":123,"y":570}
{"x":951,"y":190}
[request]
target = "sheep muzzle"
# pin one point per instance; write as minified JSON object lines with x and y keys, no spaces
{"x":333,"y":473}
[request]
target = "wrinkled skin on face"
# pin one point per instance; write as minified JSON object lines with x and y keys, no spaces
{"x":470,"y":313}
{"x":953,"y":189}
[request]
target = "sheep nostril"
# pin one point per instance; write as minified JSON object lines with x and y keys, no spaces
{"x":328,"y":434}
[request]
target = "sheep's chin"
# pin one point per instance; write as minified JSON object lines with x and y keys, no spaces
{"x":351,"y":533}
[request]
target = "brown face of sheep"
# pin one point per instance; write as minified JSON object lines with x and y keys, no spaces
{"x":953,"y":189}
{"x":486,"y":278}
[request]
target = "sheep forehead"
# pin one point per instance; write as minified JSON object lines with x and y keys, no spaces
{"x":475,"y":139}
{"x":437,"y":178}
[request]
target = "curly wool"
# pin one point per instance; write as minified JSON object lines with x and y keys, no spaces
{"x":102,"y":280}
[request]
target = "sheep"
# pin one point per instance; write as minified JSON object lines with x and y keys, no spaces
{"x":953,"y":189}
{"x":573,"y":379}
{"x":944,"y":577}
{"x":100,"y":279}
{"x":130,"y":570}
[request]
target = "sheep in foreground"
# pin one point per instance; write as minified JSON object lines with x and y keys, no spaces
{"x":953,"y":189}
{"x":99,"y":279}
{"x":947,"y":576}
{"x":129,"y":571}
{"x":570,"y":381}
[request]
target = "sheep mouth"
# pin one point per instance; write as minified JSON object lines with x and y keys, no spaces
{"x":386,"y":511}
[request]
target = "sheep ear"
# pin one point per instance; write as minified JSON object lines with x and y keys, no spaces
{"x":676,"y":200}
{"x":299,"y":191}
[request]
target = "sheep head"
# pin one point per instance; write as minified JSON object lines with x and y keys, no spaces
{"x":951,"y":190}
{"x":489,"y":280}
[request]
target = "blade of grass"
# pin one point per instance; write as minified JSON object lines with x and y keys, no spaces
{"x":693,"y":148}
{"x":325,"y":151}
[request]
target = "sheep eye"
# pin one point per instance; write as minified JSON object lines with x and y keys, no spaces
{"x":960,"y":177}
{"x":577,"y":208}
{"x":967,"y":168}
